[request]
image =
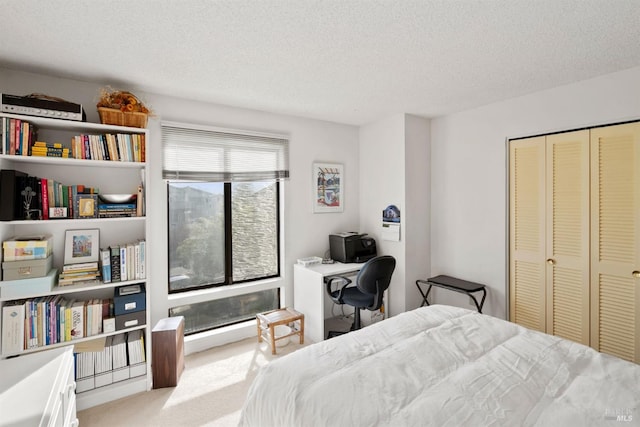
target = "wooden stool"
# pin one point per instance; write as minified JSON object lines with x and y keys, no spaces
{"x":268,"y":320}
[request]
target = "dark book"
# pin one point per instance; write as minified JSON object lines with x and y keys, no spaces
{"x":115,"y":263}
{"x":116,"y":214}
{"x":10,"y":194}
{"x":31,"y":203}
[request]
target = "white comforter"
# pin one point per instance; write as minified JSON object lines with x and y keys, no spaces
{"x":444,"y":366}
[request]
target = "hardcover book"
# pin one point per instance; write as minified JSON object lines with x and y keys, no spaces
{"x":77,"y":320}
{"x":13,"y":322}
{"x":10,"y":194}
{"x":115,"y":263}
{"x":105,"y":259}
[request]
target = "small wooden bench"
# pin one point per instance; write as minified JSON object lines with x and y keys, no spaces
{"x":453,"y":284}
{"x":267,"y":322}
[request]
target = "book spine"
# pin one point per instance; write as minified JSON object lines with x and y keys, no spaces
{"x":13,"y":328}
{"x":10,"y":181}
{"x":143,"y":259}
{"x":33,"y":319}
{"x":4,"y":123}
{"x":117,"y":206}
{"x":16,"y":138}
{"x":116,"y":214}
{"x":45,"y":198}
{"x":24,"y":139}
{"x":105,"y":256}
{"x":64,"y":197}
{"x":81,"y":266}
{"x":87,"y":148}
{"x":136,"y":259}
{"x":12,"y":137}
{"x":77,"y":320}
{"x":123,"y":263}
{"x":115,"y":263}
{"x":131,"y":265}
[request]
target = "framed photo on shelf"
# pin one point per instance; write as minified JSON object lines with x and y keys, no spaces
{"x":86,"y":205}
{"x":81,"y":246}
{"x":328,"y":187}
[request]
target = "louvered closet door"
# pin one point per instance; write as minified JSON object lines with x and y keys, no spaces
{"x":567,"y":235}
{"x":615,"y":252}
{"x":527,"y":233}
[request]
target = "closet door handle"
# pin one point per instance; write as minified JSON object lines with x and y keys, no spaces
{"x":636,"y":273}
{"x":552,"y":261}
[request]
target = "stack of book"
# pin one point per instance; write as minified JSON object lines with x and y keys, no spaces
{"x":78,"y":273}
{"x":114,"y":210}
{"x":46,"y":149}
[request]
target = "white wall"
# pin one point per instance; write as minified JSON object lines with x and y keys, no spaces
{"x":469,"y":176}
{"x":305,"y":233}
{"x":394,"y":170}
{"x":417,"y":216}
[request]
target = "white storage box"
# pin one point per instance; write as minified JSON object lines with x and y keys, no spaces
{"x":24,"y":288}
{"x":308,"y":261}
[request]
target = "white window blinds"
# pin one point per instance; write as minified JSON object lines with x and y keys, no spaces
{"x":208,"y":154}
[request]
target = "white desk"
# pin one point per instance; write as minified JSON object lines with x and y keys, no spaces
{"x":310,"y":295}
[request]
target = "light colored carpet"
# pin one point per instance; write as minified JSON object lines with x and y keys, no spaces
{"x":211,"y":390}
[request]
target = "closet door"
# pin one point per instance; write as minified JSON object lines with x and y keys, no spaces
{"x":567,"y":235}
{"x":527,"y":232}
{"x":615,"y":236}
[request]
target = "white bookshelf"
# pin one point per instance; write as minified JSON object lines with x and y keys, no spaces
{"x":115,"y":177}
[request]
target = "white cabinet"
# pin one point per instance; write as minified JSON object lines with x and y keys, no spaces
{"x":110,"y":177}
{"x":38,"y":389}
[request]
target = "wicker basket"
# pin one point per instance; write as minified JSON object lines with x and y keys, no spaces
{"x":111,"y":116}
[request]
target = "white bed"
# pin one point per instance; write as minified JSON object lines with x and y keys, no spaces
{"x":444,"y":366}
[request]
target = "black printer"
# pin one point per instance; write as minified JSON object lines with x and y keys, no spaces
{"x":351,"y":247}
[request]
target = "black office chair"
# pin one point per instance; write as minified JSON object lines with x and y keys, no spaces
{"x":372,"y":280}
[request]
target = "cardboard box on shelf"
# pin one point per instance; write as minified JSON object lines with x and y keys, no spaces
{"x":20,"y":248}
{"x":28,"y":269}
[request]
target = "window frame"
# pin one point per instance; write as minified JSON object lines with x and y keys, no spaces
{"x":228,"y":245}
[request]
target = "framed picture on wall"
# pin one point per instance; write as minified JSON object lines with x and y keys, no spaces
{"x":328,"y":187}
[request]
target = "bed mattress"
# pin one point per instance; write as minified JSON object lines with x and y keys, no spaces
{"x":444,"y":366}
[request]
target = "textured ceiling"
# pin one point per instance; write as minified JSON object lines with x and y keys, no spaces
{"x":346,"y":61}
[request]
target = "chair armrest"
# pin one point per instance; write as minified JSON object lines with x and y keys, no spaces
{"x":338,"y":298}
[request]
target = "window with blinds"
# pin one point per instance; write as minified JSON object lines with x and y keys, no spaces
{"x":224,"y":219}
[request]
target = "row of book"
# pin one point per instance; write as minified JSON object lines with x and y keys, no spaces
{"x":19,"y":137}
{"x":124,"y":262}
{"x":119,"y":351}
{"x":31,"y":197}
{"x":122,"y":147}
{"x":117,"y":210}
{"x":53,"y":319}
{"x":109,"y":364}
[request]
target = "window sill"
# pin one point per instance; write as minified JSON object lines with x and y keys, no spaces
{"x":210,"y":294}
